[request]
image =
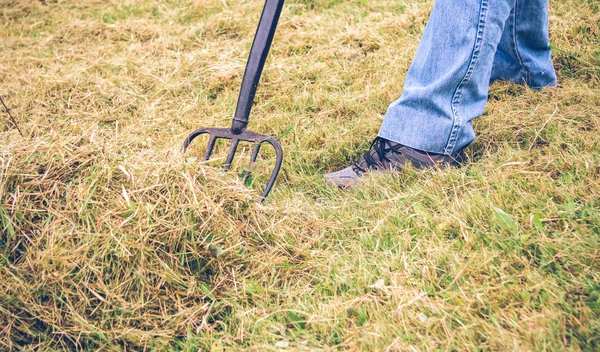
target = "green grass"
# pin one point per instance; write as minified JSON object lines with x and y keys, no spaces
{"x":113,"y":240}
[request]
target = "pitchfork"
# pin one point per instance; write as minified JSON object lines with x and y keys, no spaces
{"x":237,"y":133}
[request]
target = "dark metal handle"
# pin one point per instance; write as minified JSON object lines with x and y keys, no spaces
{"x":256,"y":61}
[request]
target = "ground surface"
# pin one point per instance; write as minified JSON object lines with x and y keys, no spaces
{"x":112,"y":239}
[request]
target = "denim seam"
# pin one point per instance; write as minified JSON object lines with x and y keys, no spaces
{"x":515,"y":46}
{"x":457,"y":121}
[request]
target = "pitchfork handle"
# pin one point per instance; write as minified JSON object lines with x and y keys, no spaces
{"x":256,"y":62}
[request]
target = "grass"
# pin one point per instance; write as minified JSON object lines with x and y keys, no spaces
{"x":112,"y":240}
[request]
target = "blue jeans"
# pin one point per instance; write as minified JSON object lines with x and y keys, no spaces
{"x":466,"y":45}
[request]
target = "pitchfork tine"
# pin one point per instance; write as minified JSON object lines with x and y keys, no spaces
{"x":252,"y":160}
{"x":278,"y":162}
{"x":232,"y":149}
{"x":209,"y":147}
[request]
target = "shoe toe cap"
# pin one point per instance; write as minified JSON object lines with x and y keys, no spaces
{"x":343,"y":178}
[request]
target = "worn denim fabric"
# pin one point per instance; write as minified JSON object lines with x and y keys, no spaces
{"x":466,"y":45}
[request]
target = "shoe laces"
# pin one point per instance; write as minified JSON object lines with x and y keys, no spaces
{"x":381,"y":147}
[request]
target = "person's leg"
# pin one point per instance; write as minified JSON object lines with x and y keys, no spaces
{"x":523,"y":54}
{"x":447,"y":84}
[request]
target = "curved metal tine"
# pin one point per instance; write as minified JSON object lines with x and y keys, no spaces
{"x":278,"y":162}
{"x":252,"y":160}
{"x":193,"y":136}
{"x":232,"y":149}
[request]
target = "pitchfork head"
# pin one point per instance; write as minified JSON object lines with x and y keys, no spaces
{"x":244,"y":136}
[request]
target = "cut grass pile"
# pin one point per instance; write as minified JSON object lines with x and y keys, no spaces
{"x":111,"y":239}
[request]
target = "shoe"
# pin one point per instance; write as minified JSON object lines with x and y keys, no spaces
{"x":385,"y":155}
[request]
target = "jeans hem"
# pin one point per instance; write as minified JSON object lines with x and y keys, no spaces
{"x":409,"y":143}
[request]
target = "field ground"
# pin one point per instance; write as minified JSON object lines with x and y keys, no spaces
{"x":111,"y":239}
